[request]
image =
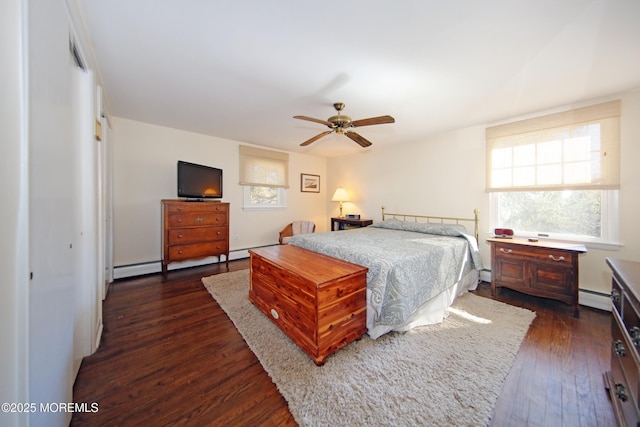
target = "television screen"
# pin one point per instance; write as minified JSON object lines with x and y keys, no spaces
{"x":199,"y":181}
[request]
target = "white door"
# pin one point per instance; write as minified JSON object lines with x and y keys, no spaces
{"x":87,"y":224}
{"x":62,"y":221}
{"x":53,"y":216}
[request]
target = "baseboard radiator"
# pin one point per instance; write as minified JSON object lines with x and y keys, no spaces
{"x":151,"y":267}
{"x":587,"y":298}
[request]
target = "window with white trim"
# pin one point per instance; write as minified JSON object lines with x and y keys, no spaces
{"x":557,"y":175}
{"x":265,"y":177}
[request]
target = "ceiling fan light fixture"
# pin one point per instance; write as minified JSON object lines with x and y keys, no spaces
{"x":340,"y":123}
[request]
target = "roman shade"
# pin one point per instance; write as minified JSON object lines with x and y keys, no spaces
{"x":571,"y":150}
{"x":263,"y":168}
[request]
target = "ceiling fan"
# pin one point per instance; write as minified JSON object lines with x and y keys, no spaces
{"x":340,"y":124}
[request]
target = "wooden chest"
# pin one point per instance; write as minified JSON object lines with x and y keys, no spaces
{"x":546,"y":269}
{"x":318,"y":301}
{"x":194,"y":230}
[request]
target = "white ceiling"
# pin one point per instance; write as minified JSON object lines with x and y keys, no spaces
{"x":241,"y":69}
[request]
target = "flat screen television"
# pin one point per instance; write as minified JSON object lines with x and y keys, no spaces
{"x":199,"y":181}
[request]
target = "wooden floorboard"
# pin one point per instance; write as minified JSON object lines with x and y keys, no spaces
{"x":170,"y":356}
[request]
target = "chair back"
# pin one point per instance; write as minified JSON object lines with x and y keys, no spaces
{"x":296,"y":227}
{"x":302,"y":227}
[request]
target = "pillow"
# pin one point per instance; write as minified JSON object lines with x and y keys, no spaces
{"x":422,"y":227}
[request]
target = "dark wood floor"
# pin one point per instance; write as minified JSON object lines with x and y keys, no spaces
{"x":170,"y":356}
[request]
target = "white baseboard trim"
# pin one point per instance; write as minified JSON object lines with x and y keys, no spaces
{"x":98,"y":337}
{"x":594,"y":300}
{"x":587,"y":298}
{"x":485,"y":275}
{"x":151,"y":267}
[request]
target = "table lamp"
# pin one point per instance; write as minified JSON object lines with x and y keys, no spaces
{"x":340,"y":196}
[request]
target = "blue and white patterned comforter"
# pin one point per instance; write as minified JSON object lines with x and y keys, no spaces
{"x":409,"y":263}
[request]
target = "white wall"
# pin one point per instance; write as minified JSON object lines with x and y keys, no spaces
{"x":445,"y":175}
{"x":13,"y":215}
{"x":144,"y":165}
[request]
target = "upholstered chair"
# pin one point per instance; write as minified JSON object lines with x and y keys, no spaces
{"x":295,"y":228}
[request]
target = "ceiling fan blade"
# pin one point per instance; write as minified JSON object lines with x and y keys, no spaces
{"x":358,"y":138}
{"x":373,"y":121}
{"x":315,"y":138}
{"x":311,"y":119}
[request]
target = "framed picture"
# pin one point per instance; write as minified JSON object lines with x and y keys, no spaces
{"x":309,"y":183}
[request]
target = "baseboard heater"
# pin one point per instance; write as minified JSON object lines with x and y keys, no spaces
{"x":151,"y":267}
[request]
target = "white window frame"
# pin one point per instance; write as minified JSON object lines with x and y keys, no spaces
{"x":604,"y":177}
{"x":610,"y":237}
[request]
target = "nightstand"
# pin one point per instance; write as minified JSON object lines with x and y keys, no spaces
{"x":345,"y":223}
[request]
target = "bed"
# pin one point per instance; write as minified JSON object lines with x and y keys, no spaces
{"x":417,"y":264}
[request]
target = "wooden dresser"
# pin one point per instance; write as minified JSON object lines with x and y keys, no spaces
{"x":318,"y":301}
{"x":622,"y":380}
{"x":544,"y":268}
{"x":193,"y":230}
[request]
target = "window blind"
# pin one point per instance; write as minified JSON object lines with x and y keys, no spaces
{"x":264,"y":168}
{"x":576,"y":149}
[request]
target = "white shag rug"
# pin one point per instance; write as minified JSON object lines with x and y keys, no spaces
{"x":439,"y":375}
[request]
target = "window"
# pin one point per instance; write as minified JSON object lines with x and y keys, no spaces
{"x":557,"y":175}
{"x":264,"y":197}
{"x":264,"y":175}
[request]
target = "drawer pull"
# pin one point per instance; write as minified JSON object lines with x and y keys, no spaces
{"x":621,"y":393}
{"x":505,"y":251}
{"x":618,"y":348}
{"x":635,"y":336}
{"x":274,"y":313}
{"x":561,"y":258}
{"x":180,"y":252}
{"x":615,"y":296}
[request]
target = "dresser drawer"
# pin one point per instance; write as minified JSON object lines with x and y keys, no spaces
{"x":197,"y":250}
{"x":621,"y":396}
{"x":194,"y":235}
{"x":625,"y":354}
{"x":623,"y":380}
{"x":183,"y":207}
{"x":631,"y":322}
{"x":616,"y":295}
{"x":196,"y":219}
{"x":555,"y":256}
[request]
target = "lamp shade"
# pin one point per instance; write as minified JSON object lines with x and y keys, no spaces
{"x":340,"y":195}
